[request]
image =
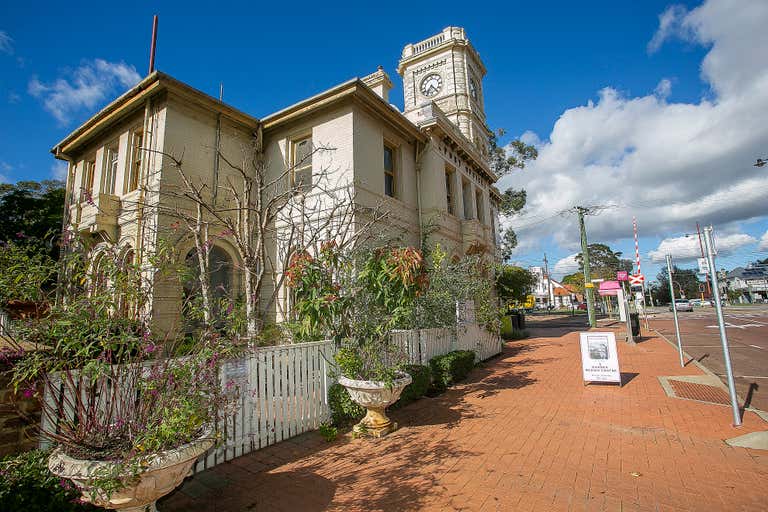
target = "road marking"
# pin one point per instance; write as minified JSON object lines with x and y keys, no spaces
{"x":761,"y":348}
{"x":734,"y":326}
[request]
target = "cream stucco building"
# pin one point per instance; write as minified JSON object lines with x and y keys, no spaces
{"x":427,"y":165}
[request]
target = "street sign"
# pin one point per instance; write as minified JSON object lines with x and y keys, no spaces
{"x":622,"y":275}
{"x":636,"y":279}
{"x":703,"y":266}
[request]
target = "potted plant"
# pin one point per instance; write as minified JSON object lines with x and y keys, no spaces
{"x":357,"y":299}
{"x":130,"y":411}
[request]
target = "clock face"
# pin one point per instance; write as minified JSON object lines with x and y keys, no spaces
{"x":473,"y":89}
{"x":431,"y":85}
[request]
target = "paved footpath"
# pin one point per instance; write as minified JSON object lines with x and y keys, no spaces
{"x":522,"y":434}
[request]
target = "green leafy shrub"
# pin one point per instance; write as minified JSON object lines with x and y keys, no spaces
{"x":26,"y":484}
{"x":451,"y":368}
{"x":343,"y":410}
{"x":422,"y":379}
{"x":329,"y":432}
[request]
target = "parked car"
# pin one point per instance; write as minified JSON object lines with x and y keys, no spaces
{"x":682,"y":305}
{"x":696,"y":302}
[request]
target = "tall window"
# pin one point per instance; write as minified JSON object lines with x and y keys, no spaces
{"x":301,"y":164}
{"x":466,"y":195}
{"x":110,"y":169}
{"x":86,"y":191}
{"x":449,"y":190}
{"x":137,"y":155}
{"x":479,"y":205}
{"x":389,"y":170}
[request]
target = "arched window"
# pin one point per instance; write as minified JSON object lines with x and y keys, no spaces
{"x":220,"y":278}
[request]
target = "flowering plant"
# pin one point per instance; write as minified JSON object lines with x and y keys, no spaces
{"x":357,"y":298}
{"x":110,"y":388}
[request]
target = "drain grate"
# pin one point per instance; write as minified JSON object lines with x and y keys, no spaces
{"x":701,"y":392}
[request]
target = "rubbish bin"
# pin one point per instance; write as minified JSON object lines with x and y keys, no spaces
{"x":634,"y":320}
{"x":521,"y":315}
{"x":514,"y":319}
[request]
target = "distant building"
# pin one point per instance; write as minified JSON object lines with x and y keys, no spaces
{"x":751,"y":283}
{"x":548,"y":292}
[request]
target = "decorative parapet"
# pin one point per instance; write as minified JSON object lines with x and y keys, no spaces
{"x":448,"y":33}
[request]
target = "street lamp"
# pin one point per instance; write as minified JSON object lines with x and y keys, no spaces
{"x":680,"y":289}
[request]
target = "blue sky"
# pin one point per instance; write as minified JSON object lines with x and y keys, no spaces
{"x":543,"y":60}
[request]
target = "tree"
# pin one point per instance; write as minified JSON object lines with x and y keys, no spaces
{"x":686,"y":280}
{"x":31,"y":209}
{"x":604,"y":262}
{"x":575,"y":281}
{"x":267,"y":217}
{"x":514,"y":283}
{"x":504,"y":160}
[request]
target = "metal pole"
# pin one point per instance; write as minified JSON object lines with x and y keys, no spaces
{"x":587,"y":276}
{"x":721,"y":324}
{"x":628,"y":316}
{"x":674,"y":310}
{"x":154,"y":44}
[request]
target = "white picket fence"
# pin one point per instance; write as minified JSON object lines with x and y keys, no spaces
{"x":424,"y":344}
{"x":283,"y":393}
{"x":284,"y":389}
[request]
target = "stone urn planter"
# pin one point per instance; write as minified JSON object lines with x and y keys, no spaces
{"x":164,"y":472}
{"x":375,"y":396}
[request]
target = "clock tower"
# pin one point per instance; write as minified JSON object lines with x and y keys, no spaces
{"x":446,"y":69}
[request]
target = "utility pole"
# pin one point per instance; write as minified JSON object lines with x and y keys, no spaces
{"x":674,"y":310}
{"x":721,"y":324}
{"x":550,"y":297}
{"x":587,"y":276}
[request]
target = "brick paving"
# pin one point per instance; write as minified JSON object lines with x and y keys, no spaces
{"x":523,"y":434}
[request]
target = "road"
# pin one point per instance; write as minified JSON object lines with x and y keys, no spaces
{"x":747,"y":329}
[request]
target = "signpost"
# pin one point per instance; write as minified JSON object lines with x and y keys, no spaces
{"x":622,"y":275}
{"x":599,"y":357}
{"x":636,"y":280}
{"x":703,"y":265}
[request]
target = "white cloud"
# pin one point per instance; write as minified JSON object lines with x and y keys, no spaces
{"x":6,"y":43}
{"x":763,"y":246}
{"x":688,"y":248}
{"x":663,"y":88}
{"x":59,"y":170}
{"x":671,"y":24}
{"x":669,"y":164}
{"x":565,"y":266}
{"x":85,"y":88}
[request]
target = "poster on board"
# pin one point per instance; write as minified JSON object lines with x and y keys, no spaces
{"x":599,"y":357}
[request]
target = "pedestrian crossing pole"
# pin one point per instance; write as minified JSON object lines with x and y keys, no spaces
{"x":721,"y":323}
{"x":674,"y":310}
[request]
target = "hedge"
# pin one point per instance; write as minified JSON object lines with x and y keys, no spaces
{"x":422,"y":379}
{"x":451,"y":368}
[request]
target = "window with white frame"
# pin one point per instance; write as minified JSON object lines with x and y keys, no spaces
{"x":89,"y":170}
{"x":301,"y":164}
{"x":111,"y":158}
{"x":137,"y":156}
